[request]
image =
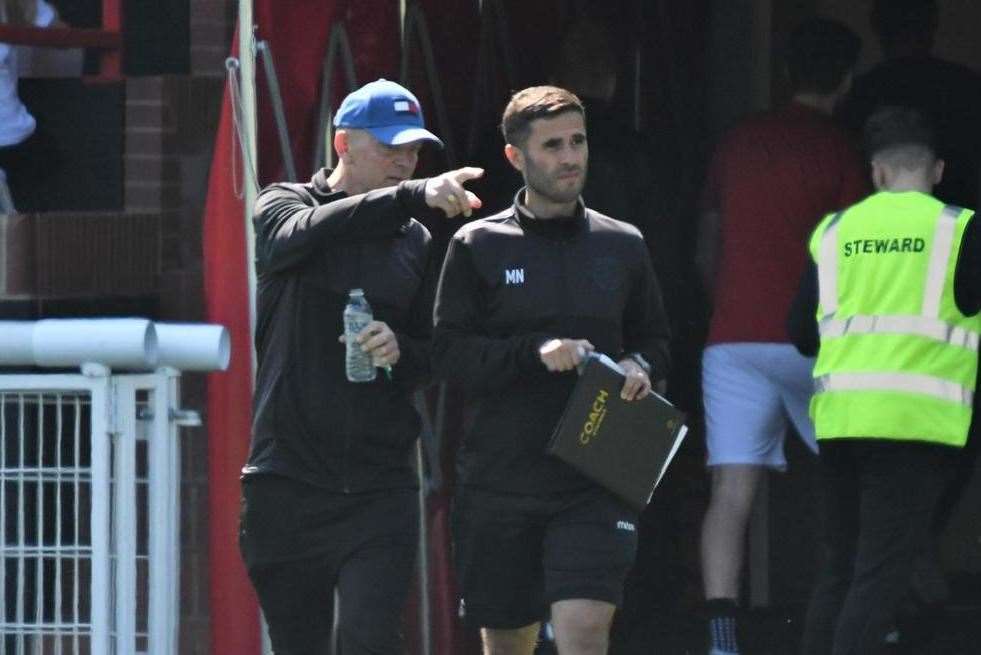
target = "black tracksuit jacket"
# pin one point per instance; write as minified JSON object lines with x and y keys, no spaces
{"x":511,"y":282}
{"x":312,"y":246}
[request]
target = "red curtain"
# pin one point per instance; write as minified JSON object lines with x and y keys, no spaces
{"x":297,"y":32}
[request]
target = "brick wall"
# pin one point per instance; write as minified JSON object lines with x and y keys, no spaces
{"x":170,"y":126}
{"x":170,"y":130}
{"x":143,"y":258}
{"x":212,"y":27}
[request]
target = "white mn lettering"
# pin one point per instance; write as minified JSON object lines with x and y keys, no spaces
{"x":514,"y":276}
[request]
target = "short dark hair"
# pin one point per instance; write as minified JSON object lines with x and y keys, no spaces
{"x":902,"y":134}
{"x":899,"y":20}
{"x":820,"y":52}
{"x":531,"y":104}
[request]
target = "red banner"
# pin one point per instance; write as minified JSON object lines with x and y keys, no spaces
{"x":234,"y":613}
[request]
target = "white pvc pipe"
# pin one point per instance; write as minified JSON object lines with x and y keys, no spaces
{"x":193,"y":347}
{"x":17,"y":343}
{"x":113,"y":342}
{"x":121,"y":343}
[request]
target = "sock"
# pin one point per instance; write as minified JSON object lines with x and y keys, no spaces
{"x":722,"y":625}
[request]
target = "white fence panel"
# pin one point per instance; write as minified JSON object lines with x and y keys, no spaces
{"x":89,"y":481}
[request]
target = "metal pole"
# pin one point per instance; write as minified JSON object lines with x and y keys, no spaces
{"x":246,"y":54}
{"x":276,"y":98}
{"x":425,"y":609}
{"x":338,"y":45}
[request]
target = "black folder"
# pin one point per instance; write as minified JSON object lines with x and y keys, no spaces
{"x":623,"y":446}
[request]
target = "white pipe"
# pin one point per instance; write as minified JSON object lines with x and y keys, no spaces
{"x":112,"y":342}
{"x":17,"y":343}
{"x":193,"y":347}
{"x":122,"y":343}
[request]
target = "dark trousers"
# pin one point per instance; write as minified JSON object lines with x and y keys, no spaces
{"x":28,"y":166}
{"x":300,"y":543}
{"x":878,"y":501}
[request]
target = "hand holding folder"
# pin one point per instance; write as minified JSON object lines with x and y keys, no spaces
{"x":623,"y":446}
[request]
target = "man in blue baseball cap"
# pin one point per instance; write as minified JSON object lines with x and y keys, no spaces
{"x":388,"y":111}
{"x":328,"y":496}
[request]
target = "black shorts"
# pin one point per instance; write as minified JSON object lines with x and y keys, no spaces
{"x":516,"y":554}
{"x":299,"y":542}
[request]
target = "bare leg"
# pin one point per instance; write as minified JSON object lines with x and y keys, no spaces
{"x":723,"y":547}
{"x":582,"y":627}
{"x":724,"y":528}
{"x":520,"y":641}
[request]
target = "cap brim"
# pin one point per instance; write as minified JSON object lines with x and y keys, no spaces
{"x":397,"y":135}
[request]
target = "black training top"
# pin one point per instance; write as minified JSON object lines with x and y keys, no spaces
{"x":312,"y":246}
{"x":510,"y":282}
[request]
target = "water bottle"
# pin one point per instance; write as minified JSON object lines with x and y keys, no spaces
{"x":357,"y":316}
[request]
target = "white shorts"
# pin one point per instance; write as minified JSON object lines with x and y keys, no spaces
{"x":751,"y":392}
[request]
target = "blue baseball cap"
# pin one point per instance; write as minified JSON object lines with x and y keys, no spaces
{"x":388,"y":111}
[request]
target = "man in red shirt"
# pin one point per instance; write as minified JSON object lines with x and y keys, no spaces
{"x":770,"y":181}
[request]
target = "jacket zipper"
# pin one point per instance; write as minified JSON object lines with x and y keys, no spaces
{"x":564,"y":304}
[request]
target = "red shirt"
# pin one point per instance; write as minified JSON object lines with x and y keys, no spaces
{"x":772,"y":179}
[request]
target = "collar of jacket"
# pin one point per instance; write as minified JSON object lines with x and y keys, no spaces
{"x":319,"y":182}
{"x":558,"y":227}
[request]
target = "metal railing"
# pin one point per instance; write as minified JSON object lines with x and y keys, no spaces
{"x":89,"y":479}
{"x":108,"y":40}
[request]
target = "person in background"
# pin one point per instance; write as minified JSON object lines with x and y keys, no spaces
{"x":328,"y":493}
{"x":524,"y":295}
{"x":22,"y":156}
{"x":770,"y":180}
{"x":890,"y":305}
{"x":948,"y":95}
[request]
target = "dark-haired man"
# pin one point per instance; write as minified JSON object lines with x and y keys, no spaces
{"x":770,"y":181}
{"x":523,"y":296}
{"x":948,"y":94}
{"x":891,"y":308}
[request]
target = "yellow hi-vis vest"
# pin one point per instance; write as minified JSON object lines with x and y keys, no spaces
{"x":898,"y":360}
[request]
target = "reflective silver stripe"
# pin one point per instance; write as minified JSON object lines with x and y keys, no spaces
{"x":931,"y":328}
{"x":943,"y":239}
{"x":828,"y":267}
{"x":903,"y":382}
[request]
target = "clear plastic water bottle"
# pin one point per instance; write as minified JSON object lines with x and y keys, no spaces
{"x":357,"y":316}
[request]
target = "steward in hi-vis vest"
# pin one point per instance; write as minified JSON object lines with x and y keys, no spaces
{"x":898,"y":359}
{"x":891,"y":306}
